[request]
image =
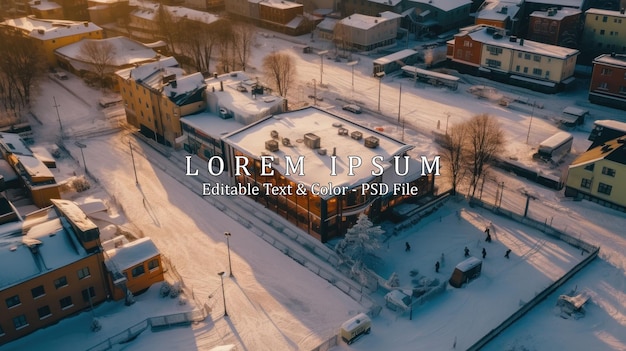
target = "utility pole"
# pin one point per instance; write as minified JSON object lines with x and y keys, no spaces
{"x":399,"y":103}
{"x":314,"y":93}
{"x":132,"y":156}
{"x":56,"y":106}
{"x":531,"y":122}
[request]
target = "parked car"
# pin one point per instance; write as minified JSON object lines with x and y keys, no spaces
{"x":352,"y":108}
{"x":61,"y":75}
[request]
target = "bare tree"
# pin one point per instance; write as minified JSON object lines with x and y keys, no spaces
{"x":226,"y":46}
{"x":453,"y":154}
{"x":166,"y":26}
{"x":99,"y":55}
{"x":196,"y":41}
{"x":340,"y":37}
{"x":21,"y":65}
{"x":279,"y":69}
{"x":484,"y":140}
{"x":243,"y":37}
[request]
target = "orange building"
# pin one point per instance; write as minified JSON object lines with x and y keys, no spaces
{"x":56,"y":269}
{"x":133,"y":267}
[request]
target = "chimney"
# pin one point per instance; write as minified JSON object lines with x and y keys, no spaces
{"x":334,"y":151}
{"x":221,"y":86}
{"x":214,"y":74}
{"x":521,"y":42}
{"x":621,"y":11}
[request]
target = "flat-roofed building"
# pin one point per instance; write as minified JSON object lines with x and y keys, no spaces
{"x":486,"y":51}
{"x":556,"y":27}
{"x":366,"y":33}
{"x":50,"y":35}
{"x":56,"y":269}
{"x":608,"y":86}
{"x":325,"y":196}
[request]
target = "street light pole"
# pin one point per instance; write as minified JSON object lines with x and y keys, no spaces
{"x":530,"y":123}
{"x":380,"y":76}
{"x":56,"y":106}
{"x":352,"y":64}
{"x":230,"y":267}
{"x":81,"y":146}
{"x":221,"y":274}
{"x":322,"y":53}
{"x":447,"y":119}
{"x":132,"y":156}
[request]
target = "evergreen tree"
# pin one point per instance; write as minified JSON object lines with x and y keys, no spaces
{"x":361,"y":240}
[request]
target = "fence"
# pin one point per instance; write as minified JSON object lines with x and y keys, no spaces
{"x":548,"y":230}
{"x":155,"y":323}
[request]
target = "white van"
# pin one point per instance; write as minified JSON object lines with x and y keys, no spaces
{"x":355,"y":327}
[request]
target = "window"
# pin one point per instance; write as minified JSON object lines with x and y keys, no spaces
{"x":606,"y":71}
{"x":589,"y":167}
{"x":603,"y":86}
{"x":601,"y":31}
{"x":87,"y":293}
{"x":585,"y":183}
{"x":83,"y":273}
{"x":38,"y":291}
{"x":536,"y":58}
{"x":537,"y":71}
{"x":153,"y":264}
{"x":547,"y":74}
{"x":622,"y":89}
{"x":604,"y":18}
{"x":61,"y":282}
{"x":493,"y":63}
{"x":525,"y":69}
{"x":527,"y":56}
{"x":44,"y":312}
{"x":137,"y":271}
{"x":66,"y":302}
{"x":494,"y":50}
{"x":608,"y":171}
{"x":13,"y":301}
{"x":604,"y":189}
{"x":517,"y":68}
{"x":519,"y":55}
{"x":20,"y":322}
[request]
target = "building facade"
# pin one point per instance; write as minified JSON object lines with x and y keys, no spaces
{"x":555,"y":27}
{"x":321,"y":200}
{"x":438,"y":17}
{"x":50,"y":35}
{"x":604,"y":32}
{"x":608,"y":81}
{"x":500,"y":14}
{"x":57,"y":270}
{"x":486,"y":51}
{"x":157,"y":94}
{"x":597,"y":175}
{"x":366,"y":33}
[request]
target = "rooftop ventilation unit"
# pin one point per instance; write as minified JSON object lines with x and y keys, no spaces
{"x":274,"y":134}
{"x":372,"y":142}
{"x":342,"y":131}
{"x":271,"y":145}
{"x":356,"y":135}
{"x":311,"y":140}
{"x":321,"y":152}
{"x":286,"y":142}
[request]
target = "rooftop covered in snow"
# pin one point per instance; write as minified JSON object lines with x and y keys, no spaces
{"x":444,"y":5}
{"x":45,"y":29}
{"x":127,"y":52}
{"x":132,"y":254}
{"x":336,"y":136}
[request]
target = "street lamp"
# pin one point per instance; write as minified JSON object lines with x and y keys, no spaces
{"x":380,"y":76}
{"x":82,"y":146}
{"x":230,"y":267}
{"x":447,"y":120}
{"x":352,"y":64}
{"x":530,"y":123}
{"x":221,"y":274}
{"x":56,"y":106}
{"x":322,"y":53}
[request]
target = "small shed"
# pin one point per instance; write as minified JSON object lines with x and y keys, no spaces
{"x":397,"y":299}
{"x":466,"y":271}
{"x":573,"y":116}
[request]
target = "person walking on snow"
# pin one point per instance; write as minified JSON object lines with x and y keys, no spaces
{"x":437,"y":267}
{"x":407,"y":247}
{"x":466,"y":252}
{"x":508,"y":252}
{"x":484,"y":253}
{"x":488,"y":239}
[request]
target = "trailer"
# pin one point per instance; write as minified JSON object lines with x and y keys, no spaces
{"x":556,"y":146}
{"x":466,"y":271}
{"x":355,"y":327}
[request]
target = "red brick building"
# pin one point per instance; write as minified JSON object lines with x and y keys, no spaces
{"x":608,"y":81}
{"x":556,"y":27}
{"x":465,"y":49}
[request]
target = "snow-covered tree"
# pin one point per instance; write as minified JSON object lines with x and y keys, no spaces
{"x":361,"y":240}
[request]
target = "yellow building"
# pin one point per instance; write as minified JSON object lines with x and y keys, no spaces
{"x":50,"y":35}
{"x":604,"y":31}
{"x":598,"y":175}
{"x":157,"y":94}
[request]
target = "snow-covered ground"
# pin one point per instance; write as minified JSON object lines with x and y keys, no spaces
{"x":276,"y":304}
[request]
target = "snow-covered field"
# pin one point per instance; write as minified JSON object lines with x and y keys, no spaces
{"x":276,"y":304}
